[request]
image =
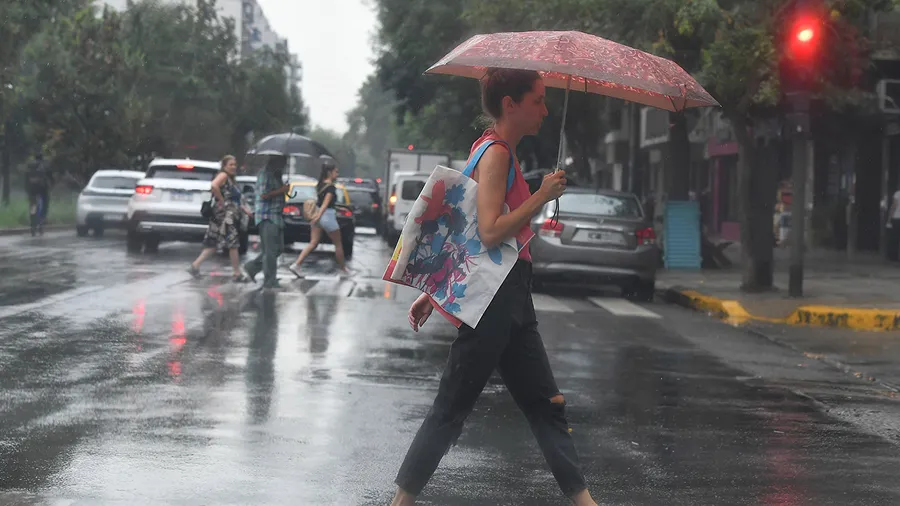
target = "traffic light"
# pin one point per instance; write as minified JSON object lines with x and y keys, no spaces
{"x":802,"y":45}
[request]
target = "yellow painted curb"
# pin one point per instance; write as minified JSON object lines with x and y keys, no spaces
{"x":731,"y":311}
{"x":843,"y":317}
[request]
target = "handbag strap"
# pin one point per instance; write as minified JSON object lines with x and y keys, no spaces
{"x":470,"y":167}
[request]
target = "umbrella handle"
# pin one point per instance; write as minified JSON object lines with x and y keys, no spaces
{"x":562,"y":143}
{"x":562,"y":127}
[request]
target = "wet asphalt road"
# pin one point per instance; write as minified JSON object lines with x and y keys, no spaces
{"x":127,"y":382}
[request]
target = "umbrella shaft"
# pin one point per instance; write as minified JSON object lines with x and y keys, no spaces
{"x":562,"y":127}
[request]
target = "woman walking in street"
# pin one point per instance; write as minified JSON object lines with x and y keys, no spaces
{"x":506,"y":338}
{"x":223,"y":230}
{"x":324,"y":220}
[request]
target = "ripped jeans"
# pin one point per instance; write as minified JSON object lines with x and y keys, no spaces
{"x":507,"y":340}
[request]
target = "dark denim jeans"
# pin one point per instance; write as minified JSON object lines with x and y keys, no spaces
{"x":507,"y":340}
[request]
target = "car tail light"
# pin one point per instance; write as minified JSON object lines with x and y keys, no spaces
{"x":143,"y":189}
{"x":551,"y":228}
{"x":392,"y":202}
{"x":358,"y":180}
{"x":291,"y":210}
{"x":646,"y":236}
{"x":346,"y":213}
{"x":185,"y":166}
{"x":375,"y":205}
{"x":378,"y":180}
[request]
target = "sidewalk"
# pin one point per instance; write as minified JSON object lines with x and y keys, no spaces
{"x":862,"y":295}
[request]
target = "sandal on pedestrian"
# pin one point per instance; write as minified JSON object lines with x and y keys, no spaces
{"x":239,"y":278}
{"x":193,"y":271}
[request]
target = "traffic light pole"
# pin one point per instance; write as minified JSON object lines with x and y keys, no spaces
{"x":798,"y":122}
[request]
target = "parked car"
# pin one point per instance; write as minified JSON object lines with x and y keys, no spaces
{"x":103,"y":203}
{"x":166,"y":204}
{"x":600,"y":236}
{"x":297,"y":228}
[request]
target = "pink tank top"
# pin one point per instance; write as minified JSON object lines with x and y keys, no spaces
{"x":519,"y":192}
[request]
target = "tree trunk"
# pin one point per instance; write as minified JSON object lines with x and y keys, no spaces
{"x":678,"y":172}
{"x":756,"y":194}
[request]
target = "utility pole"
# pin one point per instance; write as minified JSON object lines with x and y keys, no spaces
{"x":798,"y":124}
{"x":801,"y":54}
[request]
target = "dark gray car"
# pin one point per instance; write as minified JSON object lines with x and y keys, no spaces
{"x":601,"y":237}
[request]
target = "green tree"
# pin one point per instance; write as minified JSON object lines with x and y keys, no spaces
{"x":20,"y":22}
{"x":342,"y":150}
{"x":432,"y":112}
{"x":81,"y":91}
{"x":372,"y":127}
{"x":155,"y":80}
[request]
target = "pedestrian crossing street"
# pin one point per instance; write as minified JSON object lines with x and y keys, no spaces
{"x":616,"y":306}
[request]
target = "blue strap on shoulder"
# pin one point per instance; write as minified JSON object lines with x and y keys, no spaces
{"x":470,"y":167}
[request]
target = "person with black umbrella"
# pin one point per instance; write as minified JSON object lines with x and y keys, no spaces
{"x":267,"y":213}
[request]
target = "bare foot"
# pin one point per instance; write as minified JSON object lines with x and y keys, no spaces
{"x":403,"y":498}
{"x":583,"y":498}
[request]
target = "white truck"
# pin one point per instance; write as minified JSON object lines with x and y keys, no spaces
{"x":404,"y":177}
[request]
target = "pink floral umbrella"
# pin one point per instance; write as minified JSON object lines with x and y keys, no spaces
{"x":583,"y":62}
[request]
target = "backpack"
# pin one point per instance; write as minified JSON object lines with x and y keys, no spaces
{"x":310,"y":206}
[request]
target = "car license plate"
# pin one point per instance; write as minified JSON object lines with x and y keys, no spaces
{"x":605,"y":238}
{"x":113,"y":217}
{"x":181,"y":196}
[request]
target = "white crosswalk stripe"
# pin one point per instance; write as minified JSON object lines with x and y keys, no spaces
{"x":544,"y":302}
{"x":622,"y":307}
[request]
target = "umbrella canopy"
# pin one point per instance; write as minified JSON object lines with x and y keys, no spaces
{"x":289,"y":144}
{"x":583,"y":62}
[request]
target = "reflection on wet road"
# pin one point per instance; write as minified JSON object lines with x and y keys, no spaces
{"x":125,"y":382}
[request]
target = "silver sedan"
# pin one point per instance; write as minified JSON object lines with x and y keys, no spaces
{"x":600,"y":236}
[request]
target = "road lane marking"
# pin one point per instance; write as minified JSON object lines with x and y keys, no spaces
{"x":46,"y":301}
{"x":549,"y":304}
{"x":321,"y":277}
{"x":622,"y":307}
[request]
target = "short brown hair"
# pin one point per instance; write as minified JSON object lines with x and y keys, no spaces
{"x":499,"y":83}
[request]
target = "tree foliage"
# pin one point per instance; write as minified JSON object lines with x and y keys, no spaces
{"x":344,"y":153}
{"x":372,"y":127}
{"x":104,"y":89}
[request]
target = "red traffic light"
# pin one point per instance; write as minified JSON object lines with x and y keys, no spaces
{"x":804,"y":39}
{"x":806,"y":34}
{"x":410,"y":147}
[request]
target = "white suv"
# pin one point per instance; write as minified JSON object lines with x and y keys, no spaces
{"x":166,"y":204}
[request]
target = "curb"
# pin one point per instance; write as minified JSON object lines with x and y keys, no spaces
{"x":731,"y":311}
{"x":27,"y":230}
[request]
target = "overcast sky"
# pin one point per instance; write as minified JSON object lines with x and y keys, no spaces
{"x":333,"y":40}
